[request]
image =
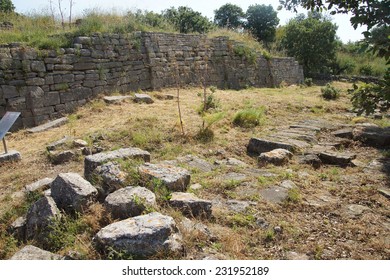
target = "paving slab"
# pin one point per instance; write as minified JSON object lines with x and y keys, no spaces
{"x":49,"y":125}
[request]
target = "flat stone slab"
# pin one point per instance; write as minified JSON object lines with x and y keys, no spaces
{"x":141,"y":236}
{"x":334,"y":158}
{"x":238,"y":206}
{"x":59,"y":143}
{"x":372,"y":135}
{"x":71,"y":192}
{"x":10,"y":156}
{"x":129,"y":202}
{"x":116,"y":99}
{"x":190,"y":205}
{"x":49,"y":125}
{"x":356,"y":209}
{"x":257,"y":146}
{"x":193,"y":162}
{"x":172,"y":177}
{"x":274,"y":194}
{"x":343,"y":133}
{"x":39,"y":185}
{"x":230,"y":162}
{"x":296,"y":136}
{"x":306,"y":127}
{"x":276,"y":157}
{"x":296,"y":256}
{"x":143,"y":98}
{"x":93,"y":161}
{"x":385,"y":192}
{"x":60,"y":157}
{"x":30,"y":252}
{"x":233,"y":176}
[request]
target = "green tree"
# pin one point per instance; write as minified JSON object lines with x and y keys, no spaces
{"x":372,"y":14}
{"x":312,"y":41}
{"x":6,"y":6}
{"x":229,"y":16}
{"x":262,"y":21}
{"x":186,"y":20}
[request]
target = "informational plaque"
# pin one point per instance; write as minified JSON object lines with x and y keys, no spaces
{"x":7,"y":121}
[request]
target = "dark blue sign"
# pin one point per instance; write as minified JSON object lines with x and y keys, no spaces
{"x":7,"y":121}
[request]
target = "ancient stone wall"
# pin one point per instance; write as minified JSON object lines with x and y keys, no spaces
{"x":45,"y":85}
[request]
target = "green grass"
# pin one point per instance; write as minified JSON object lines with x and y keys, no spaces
{"x":249,"y":117}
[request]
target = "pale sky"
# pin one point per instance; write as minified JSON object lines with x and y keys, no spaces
{"x":206,"y":7}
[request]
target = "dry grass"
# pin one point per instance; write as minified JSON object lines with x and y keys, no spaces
{"x":320,"y":232}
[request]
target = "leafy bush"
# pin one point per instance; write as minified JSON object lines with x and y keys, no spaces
{"x":246,"y":52}
{"x":366,"y":70}
{"x":329,"y":92}
{"x":308,"y":82}
{"x":249,"y":117}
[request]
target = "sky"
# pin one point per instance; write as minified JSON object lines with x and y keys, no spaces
{"x":206,"y":7}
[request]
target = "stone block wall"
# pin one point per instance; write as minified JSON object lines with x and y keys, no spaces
{"x":44,"y":85}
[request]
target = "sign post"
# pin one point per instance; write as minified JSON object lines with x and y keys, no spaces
{"x":5,"y":124}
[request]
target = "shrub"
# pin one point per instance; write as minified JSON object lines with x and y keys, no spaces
{"x":308,"y":82}
{"x":329,"y":92}
{"x":250,"y":117}
{"x":366,"y":70}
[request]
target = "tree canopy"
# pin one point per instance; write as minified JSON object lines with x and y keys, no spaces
{"x":6,"y":6}
{"x":312,"y":41}
{"x":186,"y":20}
{"x":229,"y":16}
{"x":262,"y":21}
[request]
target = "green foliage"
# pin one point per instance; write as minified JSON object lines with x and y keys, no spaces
{"x":249,"y":117}
{"x":366,"y":98}
{"x":64,"y":231}
{"x":186,"y":20}
{"x":229,"y":16}
{"x":312,"y":41}
{"x":308,"y":82}
{"x":293,"y":195}
{"x":246,"y":52}
{"x":6,"y":6}
{"x":262,"y":21}
{"x":366,"y":70}
{"x":211,"y":102}
{"x":206,"y":134}
{"x":329,"y":92}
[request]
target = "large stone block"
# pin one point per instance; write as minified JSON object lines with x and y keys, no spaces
{"x":72,"y":193}
{"x":142,"y":236}
{"x":30,"y":252}
{"x":257,"y":146}
{"x":129,"y":202}
{"x":173,"y":178}
{"x":191,"y":205}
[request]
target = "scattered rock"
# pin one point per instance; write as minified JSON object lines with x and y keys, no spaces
{"x":306,"y":127}
{"x":173,"y":178}
{"x":231,"y":162}
{"x":296,"y":256}
{"x":276,"y":157}
{"x":343,"y":133}
{"x":261,"y":223}
{"x":18,"y":228}
{"x":195,"y":187}
{"x":257,"y":146}
{"x":233,"y":176}
{"x":116,"y":99}
{"x":61,"y":157}
{"x":274,"y":194}
{"x":39,"y":186}
{"x":30,"y":252}
{"x":238,"y":206}
{"x":311,"y":159}
{"x":141,"y":236}
{"x":278,"y":230}
{"x":356,"y":209}
{"x":340,"y":159}
{"x":72,"y":193}
{"x":191,"y":205}
{"x":93,"y":161}
{"x":143,"y":98}
{"x":196,"y":162}
{"x":79,"y":143}
{"x":129,"y":202}
{"x":87,"y":151}
{"x":165,"y":96}
{"x":196,"y":229}
{"x":372,"y":135}
{"x":108,"y":178}
{"x":49,"y":125}
{"x":10,"y":156}
{"x":385,"y":192}
{"x":39,"y":217}
{"x":59,"y":143}
{"x":288,"y":184}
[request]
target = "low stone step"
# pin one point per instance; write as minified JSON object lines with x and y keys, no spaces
{"x":49,"y":125}
{"x":274,"y":194}
{"x":143,"y":98}
{"x":335,"y":158}
{"x":116,"y":99}
{"x":301,"y":137}
{"x":257,"y":146}
{"x":39,"y":185}
{"x":10,"y":156}
{"x":343,"y":133}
